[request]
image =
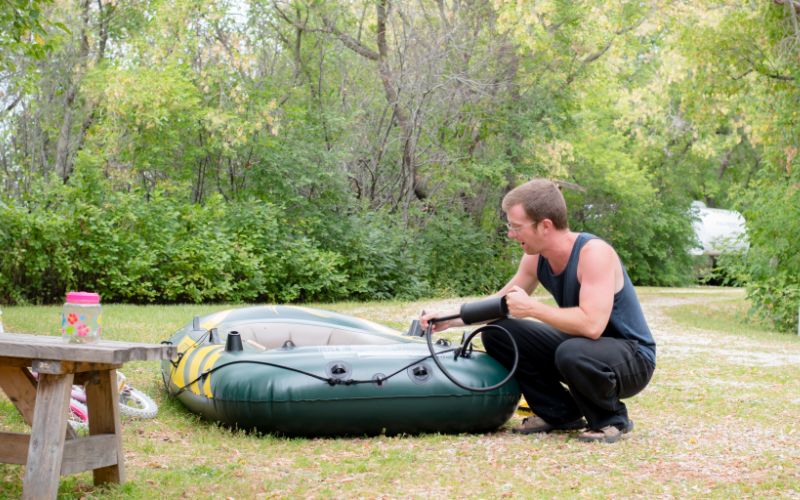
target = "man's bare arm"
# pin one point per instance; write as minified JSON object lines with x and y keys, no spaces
{"x":597,"y":273}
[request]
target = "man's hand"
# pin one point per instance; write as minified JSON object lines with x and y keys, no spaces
{"x":520,"y":304}
{"x":438,"y":326}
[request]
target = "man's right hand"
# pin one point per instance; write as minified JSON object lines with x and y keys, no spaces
{"x":439,"y":326}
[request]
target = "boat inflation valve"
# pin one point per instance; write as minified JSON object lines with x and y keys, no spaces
{"x":419,"y":374}
{"x":339,"y":370}
{"x":481,"y":311}
{"x":234,"y":342}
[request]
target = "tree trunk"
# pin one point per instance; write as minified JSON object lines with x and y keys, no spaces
{"x":63,"y":165}
{"x":408,"y":167}
{"x":67,"y":144}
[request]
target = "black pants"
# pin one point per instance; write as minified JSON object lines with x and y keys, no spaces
{"x":597,"y":373}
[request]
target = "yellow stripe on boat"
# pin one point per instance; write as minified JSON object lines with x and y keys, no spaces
{"x":523,"y":408}
{"x":209,"y":362}
{"x":176,"y":372}
{"x":185,"y":344}
{"x":198,"y":357}
{"x":178,"y":377}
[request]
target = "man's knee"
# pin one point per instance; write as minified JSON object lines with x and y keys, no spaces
{"x":494,"y":338}
{"x":519,"y":330}
{"x":569,"y":353}
{"x":492,"y":342}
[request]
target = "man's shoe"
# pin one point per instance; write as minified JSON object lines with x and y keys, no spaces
{"x":608,"y":434}
{"x":536,"y":424}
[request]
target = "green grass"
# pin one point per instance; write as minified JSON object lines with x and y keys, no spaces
{"x":712,"y":424}
{"x":731,"y":315}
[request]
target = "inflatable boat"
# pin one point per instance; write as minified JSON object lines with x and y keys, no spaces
{"x":299,"y":371}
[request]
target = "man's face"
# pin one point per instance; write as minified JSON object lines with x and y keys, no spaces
{"x":524,"y":230}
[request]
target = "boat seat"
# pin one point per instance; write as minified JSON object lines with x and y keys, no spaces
{"x":273,"y":335}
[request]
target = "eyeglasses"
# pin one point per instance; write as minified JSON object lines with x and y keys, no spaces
{"x":517,"y":228}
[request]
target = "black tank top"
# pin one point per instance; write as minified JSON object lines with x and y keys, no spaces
{"x":627,"y":319}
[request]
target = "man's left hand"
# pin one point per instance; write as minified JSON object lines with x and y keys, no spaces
{"x":520,"y":304}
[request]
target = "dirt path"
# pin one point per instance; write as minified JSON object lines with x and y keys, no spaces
{"x":675,"y":340}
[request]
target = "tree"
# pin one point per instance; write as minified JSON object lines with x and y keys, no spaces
{"x":437,"y":76}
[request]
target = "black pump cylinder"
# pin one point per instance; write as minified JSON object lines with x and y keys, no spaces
{"x":234,"y":342}
{"x":484,"y":310}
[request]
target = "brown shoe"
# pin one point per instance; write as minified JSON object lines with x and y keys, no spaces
{"x":536,"y":424}
{"x":608,"y":434}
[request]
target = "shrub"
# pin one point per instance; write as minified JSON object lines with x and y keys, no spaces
{"x":35,"y":265}
{"x":772,"y":266}
{"x":463,"y":258}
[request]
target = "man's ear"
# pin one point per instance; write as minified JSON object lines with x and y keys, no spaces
{"x":547,"y":224}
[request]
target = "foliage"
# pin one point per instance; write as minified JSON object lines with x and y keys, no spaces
{"x":34,"y":265}
{"x":169,"y":251}
{"x":772,"y":265}
{"x":740,"y":100}
{"x":179,"y":150}
{"x":147,"y":123}
{"x":24,"y":31}
{"x":650,"y":236}
{"x":464,"y":258}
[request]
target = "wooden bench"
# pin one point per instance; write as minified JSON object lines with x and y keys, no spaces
{"x":52,"y":448}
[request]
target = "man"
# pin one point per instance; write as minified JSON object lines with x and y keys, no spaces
{"x":596,"y":342}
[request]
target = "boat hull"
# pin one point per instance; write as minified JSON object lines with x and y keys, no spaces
{"x":387,"y":384}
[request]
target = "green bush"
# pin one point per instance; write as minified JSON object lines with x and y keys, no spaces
{"x":378,"y":256}
{"x":35,"y":265}
{"x":777,"y":299}
{"x":292,"y":265}
{"x":463,"y":258}
{"x":772,"y":266}
{"x":165,"y":250}
{"x":195,"y":258}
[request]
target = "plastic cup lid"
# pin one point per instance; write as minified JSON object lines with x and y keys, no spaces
{"x":83,"y":298}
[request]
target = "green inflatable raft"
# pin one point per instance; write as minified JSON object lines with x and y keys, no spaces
{"x":307,"y":372}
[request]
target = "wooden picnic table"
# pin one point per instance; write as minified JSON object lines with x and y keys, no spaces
{"x":52,"y":448}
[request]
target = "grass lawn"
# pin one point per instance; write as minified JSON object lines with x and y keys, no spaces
{"x":720,"y":419}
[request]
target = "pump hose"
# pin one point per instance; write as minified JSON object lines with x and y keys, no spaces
{"x":485,"y":328}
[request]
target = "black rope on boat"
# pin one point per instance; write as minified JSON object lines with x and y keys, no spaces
{"x":329,"y":380}
{"x":178,"y":357}
{"x":379,"y":381}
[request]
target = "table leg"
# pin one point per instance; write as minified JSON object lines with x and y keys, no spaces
{"x":46,"y":447}
{"x":102,"y":400}
{"x":20,"y":387}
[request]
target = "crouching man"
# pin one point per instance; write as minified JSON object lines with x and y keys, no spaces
{"x":596,"y":342}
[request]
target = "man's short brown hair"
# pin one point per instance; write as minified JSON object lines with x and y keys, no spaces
{"x":541,"y":199}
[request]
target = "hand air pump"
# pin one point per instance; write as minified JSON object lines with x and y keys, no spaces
{"x":472,"y":312}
